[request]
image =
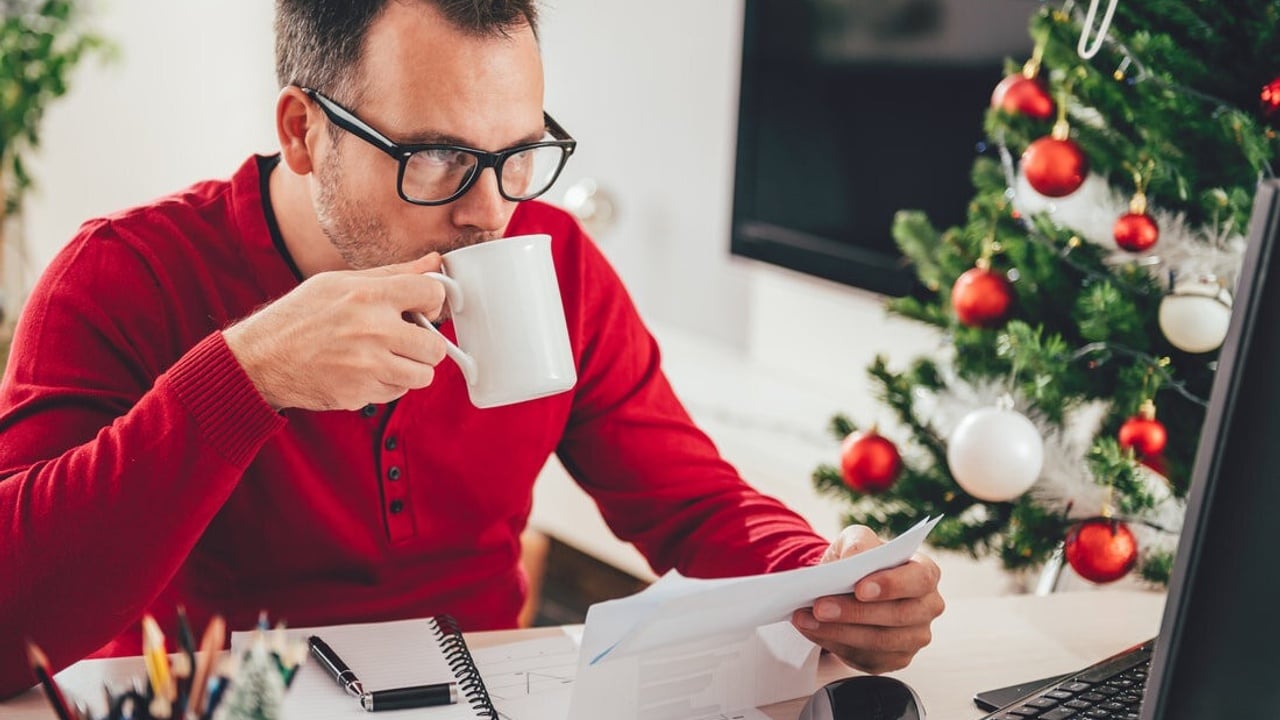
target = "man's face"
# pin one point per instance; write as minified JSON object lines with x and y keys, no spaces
{"x":424,"y":81}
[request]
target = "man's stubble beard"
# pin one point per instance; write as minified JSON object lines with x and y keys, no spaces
{"x":361,"y":238}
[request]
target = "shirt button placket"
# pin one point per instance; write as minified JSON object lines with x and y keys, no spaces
{"x":394,"y":488}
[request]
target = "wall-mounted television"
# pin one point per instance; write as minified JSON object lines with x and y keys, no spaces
{"x":851,"y":110}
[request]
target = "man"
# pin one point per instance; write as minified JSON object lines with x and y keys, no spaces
{"x":214,"y":400}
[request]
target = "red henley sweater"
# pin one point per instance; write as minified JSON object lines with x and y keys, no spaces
{"x":140,"y":468}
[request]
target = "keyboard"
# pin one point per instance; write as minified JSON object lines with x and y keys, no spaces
{"x":1108,"y":690}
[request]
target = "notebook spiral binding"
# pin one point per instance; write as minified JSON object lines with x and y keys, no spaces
{"x":470,"y":684}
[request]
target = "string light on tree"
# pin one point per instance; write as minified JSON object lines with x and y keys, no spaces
{"x":995,"y":453}
{"x":1271,"y":99}
{"x":1101,"y":549}
{"x":1194,"y":317}
{"x":869,"y":462}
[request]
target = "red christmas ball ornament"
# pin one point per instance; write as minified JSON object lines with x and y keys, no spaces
{"x":981,"y":297}
{"x":1136,"y":231}
{"x":1143,"y":433}
{"x":1018,"y":94}
{"x":1271,"y":99}
{"x":1055,"y":166}
{"x":1101,"y":550}
{"x":869,"y":462}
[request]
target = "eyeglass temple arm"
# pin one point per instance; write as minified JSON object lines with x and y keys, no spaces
{"x":351,"y":123}
{"x":557,"y":131}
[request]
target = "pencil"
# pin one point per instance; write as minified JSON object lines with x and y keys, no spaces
{"x":40,"y":666}
{"x":210,"y":645}
{"x":185,"y":639}
{"x":184,"y":663}
{"x":157,"y":661}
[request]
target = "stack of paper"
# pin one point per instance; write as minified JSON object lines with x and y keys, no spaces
{"x":690,"y":648}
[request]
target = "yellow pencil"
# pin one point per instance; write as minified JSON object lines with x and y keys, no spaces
{"x":157,"y":660}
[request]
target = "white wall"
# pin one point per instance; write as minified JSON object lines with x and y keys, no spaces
{"x":191,"y":95}
{"x":650,"y":90}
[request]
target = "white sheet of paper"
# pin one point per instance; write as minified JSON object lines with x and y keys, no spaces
{"x":712,"y":677}
{"x":677,"y":608}
{"x":688,"y":648}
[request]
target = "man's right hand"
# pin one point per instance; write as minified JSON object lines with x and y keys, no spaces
{"x":339,"y":340}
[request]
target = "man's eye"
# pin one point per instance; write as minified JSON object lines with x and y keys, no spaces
{"x":522,"y":158}
{"x":440,"y":156}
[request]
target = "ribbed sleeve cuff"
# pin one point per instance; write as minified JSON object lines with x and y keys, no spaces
{"x":226,"y":406}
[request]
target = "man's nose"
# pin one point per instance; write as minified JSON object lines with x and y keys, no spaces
{"x":482,"y":206}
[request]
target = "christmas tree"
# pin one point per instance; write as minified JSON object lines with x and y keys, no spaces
{"x":1084,"y":300}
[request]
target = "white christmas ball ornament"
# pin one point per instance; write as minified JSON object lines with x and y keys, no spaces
{"x":995,"y":454}
{"x":1196,"y":315}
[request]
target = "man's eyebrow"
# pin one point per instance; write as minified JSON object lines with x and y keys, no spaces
{"x":437,"y":138}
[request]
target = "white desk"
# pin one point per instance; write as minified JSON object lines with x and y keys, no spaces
{"x":985,"y":643}
{"x":979,"y":643}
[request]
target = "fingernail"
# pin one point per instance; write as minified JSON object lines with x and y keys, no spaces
{"x":869,"y":591}
{"x":826,"y":610}
{"x":806,"y":622}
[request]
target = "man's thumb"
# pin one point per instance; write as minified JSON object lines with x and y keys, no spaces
{"x":852,"y":540}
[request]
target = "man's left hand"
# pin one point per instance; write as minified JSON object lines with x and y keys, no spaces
{"x":881,"y":625}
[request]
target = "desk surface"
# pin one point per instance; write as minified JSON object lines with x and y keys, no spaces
{"x":985,"y":643}
{"x":979,"y":644}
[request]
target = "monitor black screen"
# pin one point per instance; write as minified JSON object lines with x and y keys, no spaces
{"x":851,"y":110}
{"x":1216,"y":656}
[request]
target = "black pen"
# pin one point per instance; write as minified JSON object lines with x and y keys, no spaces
{"x":338,"y":669}
{"x":411,"y":697}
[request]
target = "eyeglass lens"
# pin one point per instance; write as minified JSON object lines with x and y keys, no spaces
{"x":439,"y":173}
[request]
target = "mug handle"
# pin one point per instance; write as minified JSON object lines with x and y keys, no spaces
{"x":453,"y":295}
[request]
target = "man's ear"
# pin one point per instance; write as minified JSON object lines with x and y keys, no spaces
{"x":297,"y":122}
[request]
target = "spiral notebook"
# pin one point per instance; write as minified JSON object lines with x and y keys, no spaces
{"x":390,"y":655}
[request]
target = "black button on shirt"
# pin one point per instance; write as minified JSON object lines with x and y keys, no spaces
{"x":394,"y":473}
{"x":369,"y":410}
{"x":396,"y":506}
{"x":390,"y":444}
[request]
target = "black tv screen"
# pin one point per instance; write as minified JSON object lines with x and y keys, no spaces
{"x":851,"y":110}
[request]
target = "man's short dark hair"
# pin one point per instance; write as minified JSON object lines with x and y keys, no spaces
{"x":319,"y":43}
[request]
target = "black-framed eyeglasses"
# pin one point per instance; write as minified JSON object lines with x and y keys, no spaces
{"x":437,"y":174}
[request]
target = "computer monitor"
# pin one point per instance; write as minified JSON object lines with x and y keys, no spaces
{"x":1216,"y":656}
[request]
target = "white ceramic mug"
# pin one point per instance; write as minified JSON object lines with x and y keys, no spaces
{"x":513,"y":344}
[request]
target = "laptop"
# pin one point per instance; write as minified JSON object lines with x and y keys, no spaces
{"x":1218,"y":651}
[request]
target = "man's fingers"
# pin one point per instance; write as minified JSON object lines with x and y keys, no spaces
{"x":844,"y":609}
{"x":427,"y":263}
{"x":914,"y":578}
{"x":411,"y":293}
{"x":405,"y":374}
{"x":417,"y":344}
{"x":869,"y":640}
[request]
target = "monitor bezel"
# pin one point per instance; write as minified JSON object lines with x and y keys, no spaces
{"x":1264,"y":227}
